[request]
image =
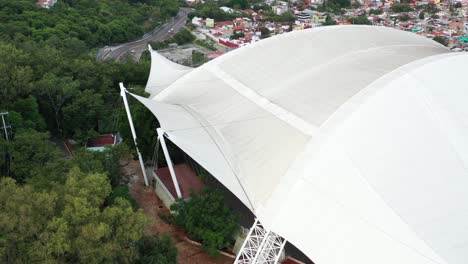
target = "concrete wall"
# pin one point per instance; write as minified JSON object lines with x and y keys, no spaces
{"x":161,"y":191}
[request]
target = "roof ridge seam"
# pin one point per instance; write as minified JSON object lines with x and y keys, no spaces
{"x":262,"y":102}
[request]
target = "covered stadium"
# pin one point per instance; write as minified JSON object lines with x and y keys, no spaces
{"x":350,"y":142}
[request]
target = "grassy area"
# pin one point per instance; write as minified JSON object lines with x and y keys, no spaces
{"x":206,"y":44}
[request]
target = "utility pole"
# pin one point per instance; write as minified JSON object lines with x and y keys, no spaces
{"x":7,"y":137}
{"x":5,"y":126}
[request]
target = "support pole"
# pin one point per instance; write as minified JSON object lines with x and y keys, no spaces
{"x":4,"y":125}
{"x":123,"y":93}
{"x":156,"y":155}
{"x":169,"y":161}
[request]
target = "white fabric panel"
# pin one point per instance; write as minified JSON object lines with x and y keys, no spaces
{"x":187,"y":133}
{"x":349,"y":141}
{"x":387,"y":161}
{"x":424,"y":176}
{"x":324,"y":69}
{"x":238,"y":126}
{"x":163,"y":72}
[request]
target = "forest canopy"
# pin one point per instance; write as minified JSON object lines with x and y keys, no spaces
{"x":54,"y":209}
{"x":47,"y":56}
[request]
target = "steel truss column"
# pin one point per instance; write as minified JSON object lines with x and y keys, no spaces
{"x":169,"y":162}
{"x":261,"y":246}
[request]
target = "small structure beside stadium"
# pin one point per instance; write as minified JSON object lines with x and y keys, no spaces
{"x":100,"y":142}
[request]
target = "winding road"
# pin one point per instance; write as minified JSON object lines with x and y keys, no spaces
{"x":159,"y":34}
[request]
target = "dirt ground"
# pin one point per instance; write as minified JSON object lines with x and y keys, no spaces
{"x":152,"y":206}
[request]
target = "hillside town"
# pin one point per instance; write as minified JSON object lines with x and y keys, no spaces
{"x":446,"y":21}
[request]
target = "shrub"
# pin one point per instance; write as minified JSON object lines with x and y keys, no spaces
{"x":441,"y":40}
{"x":401,"y":8}
{"x":206,"y":218}
{"x":157,"y":250}
{"x":375,"y":11}
{"x":122,"y":191}
{"x":360,"y":20}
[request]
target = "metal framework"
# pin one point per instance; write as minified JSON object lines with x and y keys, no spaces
{"x":261,"y":246}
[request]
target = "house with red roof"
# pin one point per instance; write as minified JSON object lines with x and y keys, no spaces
{"x":99,"y":143}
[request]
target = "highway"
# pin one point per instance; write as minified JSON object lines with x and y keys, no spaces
{"x":159,"y":34}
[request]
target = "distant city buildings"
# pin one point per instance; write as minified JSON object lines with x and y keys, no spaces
{"x":449,"y":20}
{"x":280,"y":8}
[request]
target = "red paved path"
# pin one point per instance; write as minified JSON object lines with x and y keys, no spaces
{"x":152,"y":205}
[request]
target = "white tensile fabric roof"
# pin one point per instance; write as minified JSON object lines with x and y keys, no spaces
{"x":351,"y":142}
{"x":164,"y":72}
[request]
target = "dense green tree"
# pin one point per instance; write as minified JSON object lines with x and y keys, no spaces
{"x":285,"y":17}
{"x":24,"y":114}
{"x":24,"y":216}
{"x":421,"y":15}
{"x":69,"y":226}
{"x":237,"y":35}
{"x":356,"y":4}
{"x":404,"y":17}
{"x":261,"y":7}
{"x":56,"y":91}
{"x":183,"y":37}
{"x":123,"y":192}
{"x":16,"y":74}
{"x":46,"y":53}
{"x":360,"y":20}
{"x":95,"y":23}
{"x":441,"y":40}
{"x":107,"y":161}
{"x":375,"y":11}
{"x":50,"y":80}
{"x":238,"y":4}
{"x":334,"y":6}
{"x":431,"y":8}
{"x":157,"y":250}
{"x":198,"y":58}
{"x":401,"y":8}
{"x":264,"y":32}
{"x":81,"y":114}
{"x":30,"y":151}
{"x":329,"y":21}
{"x":205,"y":217}
{"x":342,"y":3}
